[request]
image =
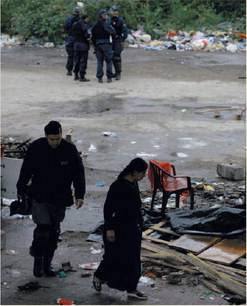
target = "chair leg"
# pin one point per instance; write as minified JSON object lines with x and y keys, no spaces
{"x":153,"y":197}
{"x":164,"y":202}
{"x":177,"y":199}
{"x":191,"y":198}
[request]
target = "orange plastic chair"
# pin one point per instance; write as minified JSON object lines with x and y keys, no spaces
{"x":162,"y":176}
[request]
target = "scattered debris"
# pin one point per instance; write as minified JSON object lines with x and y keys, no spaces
{"x":100,"y":183}
{"x":66,"y":267}
{"x":31,"y":286}
{"x":89,"y":266}
{"x":95,"y":251}
{"x":65,"y":301}
{"x":92,"y":148}
{"x":86,"y":274}
{"x":110,"y":134}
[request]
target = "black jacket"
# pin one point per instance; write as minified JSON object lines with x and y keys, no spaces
{"x":52,"y":172}
{"x":81,"y":34}
{"x":120,"y":27}
{"x":101,"y":32}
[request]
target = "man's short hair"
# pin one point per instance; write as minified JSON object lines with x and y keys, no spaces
{"x":53,"y":128}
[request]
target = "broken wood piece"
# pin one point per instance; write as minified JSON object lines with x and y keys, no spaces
{"x":241,"y":262}
{"x":227,"y":269}
{"x":164,"y":230}
{"x":194,"y":243}
{"x":153,"y":247}
{"x":226,"y":251}
{"x":222,"y":279}
{"x":166,"y":264}
{"x":144,"y":236}
{"x":210,"y":286}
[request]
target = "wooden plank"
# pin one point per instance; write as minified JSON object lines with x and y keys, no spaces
{"x":147,"y":245}
{"x":241,"y":262}
{"x":155,"y":239}
{"x":222,"y":279}
{"x":226,"y":251}
{"x":227,"y":269}
{"x":210,"y":286}
{"x":169,"y":265}
{"x":194,"y":243}
{"x":165,"y":230}
{"x":148,"y":231}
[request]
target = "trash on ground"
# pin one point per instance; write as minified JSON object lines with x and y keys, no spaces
{"x":65,"y":301}
{"x":95,"y":251}
{"x":110,"y":134}
{"x":86,"y":274}
{"x":146,"y":280}
{"x":100,"y":183}
{"x":66,"y":267}
{"x":31,"y":286}
{"x":143,"y":154}
{"x":92,"y":148}
{"x":61,"y":274}
{"x":89,"y":266}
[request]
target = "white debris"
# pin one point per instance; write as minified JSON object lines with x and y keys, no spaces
{"x":92,"y":148}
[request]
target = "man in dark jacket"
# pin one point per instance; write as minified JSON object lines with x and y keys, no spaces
{"x":81,"y":33}
{"x":51,"y":164}
{"x":101,"y":37}
{"x":69,"y":40}
{"x":118,"y":40}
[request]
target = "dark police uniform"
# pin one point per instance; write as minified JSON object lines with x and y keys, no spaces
{"x":69,"y":42}
{"x":101,"y":37}
{"x":81,"y":33}
{"x":117,"y":42}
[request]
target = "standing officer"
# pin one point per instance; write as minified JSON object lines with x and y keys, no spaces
{"x":69,"y":40}
{"x":117,"y":42}
{"x":101,"y":37}
{"x":81,"y":33}
{"x":52,"y":164}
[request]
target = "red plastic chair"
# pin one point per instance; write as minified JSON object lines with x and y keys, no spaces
{"x":162,"y":176}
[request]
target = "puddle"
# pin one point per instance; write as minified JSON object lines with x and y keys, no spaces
{"x":94,"y":105}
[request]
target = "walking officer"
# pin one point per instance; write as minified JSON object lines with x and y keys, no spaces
{"x":102,"y":33}
{"x":69,"y":40}
{"x":117,"y":43}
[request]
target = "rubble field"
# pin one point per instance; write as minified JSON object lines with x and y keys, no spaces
{"x":187,"y":108}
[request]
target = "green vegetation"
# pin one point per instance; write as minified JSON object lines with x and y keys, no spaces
{"x":44,"y":19}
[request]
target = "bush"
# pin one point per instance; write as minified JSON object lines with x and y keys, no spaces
{"x":44,"y":19}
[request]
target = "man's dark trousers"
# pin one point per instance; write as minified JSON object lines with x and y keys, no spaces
{"x":70,"y":58}
{"x":104,"y":52}
{"x":117,"y":49}
{"x":47,"y":218}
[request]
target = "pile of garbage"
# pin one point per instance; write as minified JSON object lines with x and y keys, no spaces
{"x":190,"y":41}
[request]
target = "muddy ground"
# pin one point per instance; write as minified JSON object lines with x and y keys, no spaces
{"x":174,"y":106}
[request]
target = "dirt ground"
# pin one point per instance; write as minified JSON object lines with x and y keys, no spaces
{"x":175,"y":106}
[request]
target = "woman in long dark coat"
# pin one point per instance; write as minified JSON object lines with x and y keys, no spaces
{"x":121,"y":264}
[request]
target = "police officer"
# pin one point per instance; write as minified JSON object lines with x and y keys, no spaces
{"x":117,"y":43}
{"x":102,"y":33}
{"x":69,"y":40}
{"x":81,"y":33}
{"x":51,"y":164}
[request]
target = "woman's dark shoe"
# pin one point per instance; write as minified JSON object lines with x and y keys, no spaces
{"x":76,"y":77}
{"x":100,"y":80}
{"x":137,"y":295}
{"x":109,"y":80}
{"x":38,"y":266}
{"x":97,"y":283}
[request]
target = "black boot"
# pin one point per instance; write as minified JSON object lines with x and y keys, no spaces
{"x":76,"y":77}
{"x":118,"y":77}
{"x":48,"y":268}
{"x":38,"y":266}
